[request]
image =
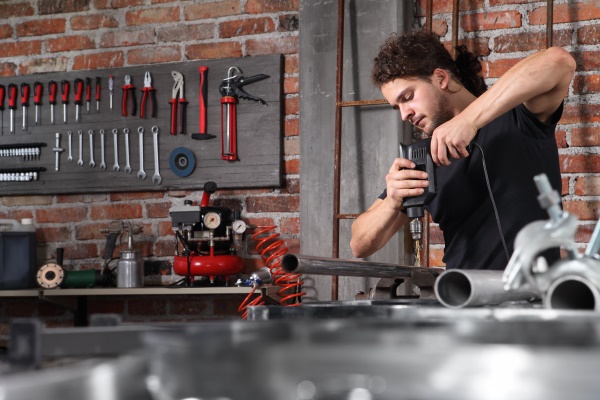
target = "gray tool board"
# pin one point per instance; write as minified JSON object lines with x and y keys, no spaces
{"x":259,"y":137}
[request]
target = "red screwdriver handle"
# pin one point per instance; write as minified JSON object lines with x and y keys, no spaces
{"x":24,"y":94}
{"x":88,"y":89}
{"x":52,"y":92}
{"x":97,"y":88}
{"x":37,"y":93}
{"x":78,"y":91}
{"x":2,"y":96}
{"x":12,"y":96}
{"x":64,"y":87}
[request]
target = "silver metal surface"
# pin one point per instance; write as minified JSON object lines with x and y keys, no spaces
{"x":156,"y":178}
{"x":127,"y":164}
{"x":102,"y":162}
{"x":141,"y":173}
{"x":130,"y":270}
{"x":92,"y":162}
{"x":116,"y":166}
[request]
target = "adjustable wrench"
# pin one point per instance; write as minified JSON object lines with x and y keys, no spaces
{"x":70,"y":158}
{"x":127,"y":165}
{"x":141,"y":173}
{"x":156,"y":178}
{"x":80,"y":161}
{"x":116,"y":166}
{"x":92,"y":162}
{"x":102,"y":163}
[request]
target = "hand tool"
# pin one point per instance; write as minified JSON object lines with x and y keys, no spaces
{"x":64,"y":87}
{"x":88,"y":93}
{"x":80,"y":161}
{"x":2,"y":96}
{"x":178,"y":106}
{"x":127,"y":165}
{"x":111,"y":85}
{"x":102,"y":163}
{"x":149,"y":92}
{"x":57,"y":150}
{"x":78,"y":97}
{"x":231,"y":89}
{"x":98,"y":94}
{"x":52,"y":99}
{"x":202,"y":114}
{"x":182,"y":162}
{"x":37,"y":100}
{"x":128,"y":93}
{"x":141,"y":173}
{"x":116,"y":166}
{"x":25,"y":103}
{"x":70,"y":157}
{"x":156,"y":178}
{"x":92,"y":162}
{"x":12,"y":104}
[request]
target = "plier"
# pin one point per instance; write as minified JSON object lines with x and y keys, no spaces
{"x":148,"y":92}
{"x":178,"y":105}
{"x":128,"y":92}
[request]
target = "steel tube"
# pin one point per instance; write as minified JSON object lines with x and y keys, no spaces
{"x":299,"y":264}
{"x":470,"y":288}
{"x":572,"y":292}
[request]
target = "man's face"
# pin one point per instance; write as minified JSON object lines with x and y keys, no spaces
{"x":421,"y":102}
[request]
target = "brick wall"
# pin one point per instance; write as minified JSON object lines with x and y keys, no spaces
{"x":505,"y":31}
{"x":39,"y":36}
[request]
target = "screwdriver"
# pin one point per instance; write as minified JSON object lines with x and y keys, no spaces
{"x":25,"y":103}
{"x":52,"y":98}
{"x":64,"y":86}
{"x":111,"y":85}
{"x":2,"y":95}
{"x":37,"y":100}
{"x":12,"y":104}
{"x":78,"y":97}
{"x":97,"y":94}
{"x":88,"y":94}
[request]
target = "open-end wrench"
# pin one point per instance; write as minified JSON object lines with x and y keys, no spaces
{"x":57,"y":150}
{"x":116,"y":166}
{"x":127,"y":165}
{"x":141,"y":173}
{"x":156,"y":178}
{"x":92,"y":162}
{"x":70,"y":158}
{"x":80,"y":161}
{"x":102,"y":163}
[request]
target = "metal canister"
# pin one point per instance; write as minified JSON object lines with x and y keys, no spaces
{"x":130,"y":270}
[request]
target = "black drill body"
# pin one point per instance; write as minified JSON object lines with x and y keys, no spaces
{"x":420,"y":153}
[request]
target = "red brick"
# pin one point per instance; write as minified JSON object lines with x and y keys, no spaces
{"x":42,"y":65}
{"x":111,"y":4}
{"x":270,"y":6}
{"x":291,"y":64}
{"x":288,"y":23}
{"x":26,"y":200}
{"x":162,"y":54}
{"x":291,"y":85}
{"x":439,"y":27}
{"x":105,"y":306}
{"x":576,"y":114}
{"x":111,"y":211}
{"x":588,"y":34}
{"x":435,"y":257}
{"x":80,"y":251}
{"x":21,"y":308}
{"x":22,"y":9}
{"x":588,"y":136}
{"x":46,"y":7}
{"x":52,"y":234}
{"x":16,"y":214}
{"x":526,"y":41}
{"x":81,"y":198}
{"x":213,"y":50}
{"x":292,"y":186}
{"x":292,"y":105}
{"x":90,"y":231}
{"x":70,"y":43}
{"x":587,"y":186}
{"x":165,"y":229}
{"x":273,"y":204}
{"x":152,"y":16}
{"x":565,"y":186}
{"x":157,"y":210}
{"x":184,"y":33}
{"x":193,"y":306}
{"x":561,"y":139}
{"x":292,"y":166}
{"x":110,"y":59}
{"x":436,"y":236}
{"x":128,"y":38}
{"x":584,"y":210}
{"x":6,"y":31}
{"x":165,"y":248}
{"x":47,"y":309}
{"x":495,"y":69}
{"x":212,"y":10}
{"x":291,"y":127}
{"x":41,"y":27}
{"x":60,"y":214}
{"x":291,"y":147}
{"x":8,"y":69}
{"x":20,"y":48}
{"x":245,"y":27}
{"x":290,"y":226}
{"x":163,"y":1}
{"x":96,"y":21}
{"x":128,"y":196}
{"x":281,"y":45}
{"x":579,"y":163}
{"x":587,"y":60}
{"x":572,"y":12}
{"x":491,"y":20}
{"x":586,"y":84}
{"x":147,"y":307}
{"x":445,"y":6}
{"x":227,"y":306}
{"x":479,"y":46}
{"x":584,"y":233}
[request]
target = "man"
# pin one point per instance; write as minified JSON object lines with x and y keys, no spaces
{"x":506,"y":133}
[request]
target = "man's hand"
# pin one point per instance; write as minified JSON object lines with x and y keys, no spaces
{"x":403,"y":181}
{"x":450,"y":140}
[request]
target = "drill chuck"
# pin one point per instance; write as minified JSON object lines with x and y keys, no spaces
{"x":416,"y":228}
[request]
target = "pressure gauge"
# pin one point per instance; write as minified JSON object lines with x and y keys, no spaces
{"x":212,"y":220}
{"x":238,"y":226}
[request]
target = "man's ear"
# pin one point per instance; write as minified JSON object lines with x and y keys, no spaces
{"x":441,"y":77}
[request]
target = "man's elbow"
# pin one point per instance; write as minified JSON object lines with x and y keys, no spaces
{"x":359,"y":250}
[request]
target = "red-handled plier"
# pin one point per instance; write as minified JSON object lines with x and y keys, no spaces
{"x":128,"y":92}
{"x":148,"y":92}
{"x":178,"y":105}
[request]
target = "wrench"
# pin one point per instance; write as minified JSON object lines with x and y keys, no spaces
{"x":70,"y":158}
{"x":141,"y":173}
{"x":92,"y":162}
{"x":102,"y":164}
{"x":116,"y":166}
{"x":127,"y":166}
{"x":156,"y":178}
{"x":80,"y":161}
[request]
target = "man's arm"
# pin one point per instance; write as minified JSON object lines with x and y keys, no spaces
{"x":540,"y":81}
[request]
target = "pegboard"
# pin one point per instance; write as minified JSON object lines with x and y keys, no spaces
{"x":259,"y":137}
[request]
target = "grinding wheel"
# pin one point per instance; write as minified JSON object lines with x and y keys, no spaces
{"x":182,"y":161}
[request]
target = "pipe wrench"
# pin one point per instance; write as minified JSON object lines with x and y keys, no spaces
{"x":178,"y":105}
{"x":128,"y":97}
{"x":148,"y":93}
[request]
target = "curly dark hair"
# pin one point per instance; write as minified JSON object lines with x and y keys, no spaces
{"x":417,"y":54}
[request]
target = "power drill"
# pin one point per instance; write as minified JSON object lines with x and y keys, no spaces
{"x":419,"y":153}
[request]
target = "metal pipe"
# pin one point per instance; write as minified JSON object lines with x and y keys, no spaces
{"x":572,"y":293}
{"x":299,"y":264}
{"x":470,"y":288}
